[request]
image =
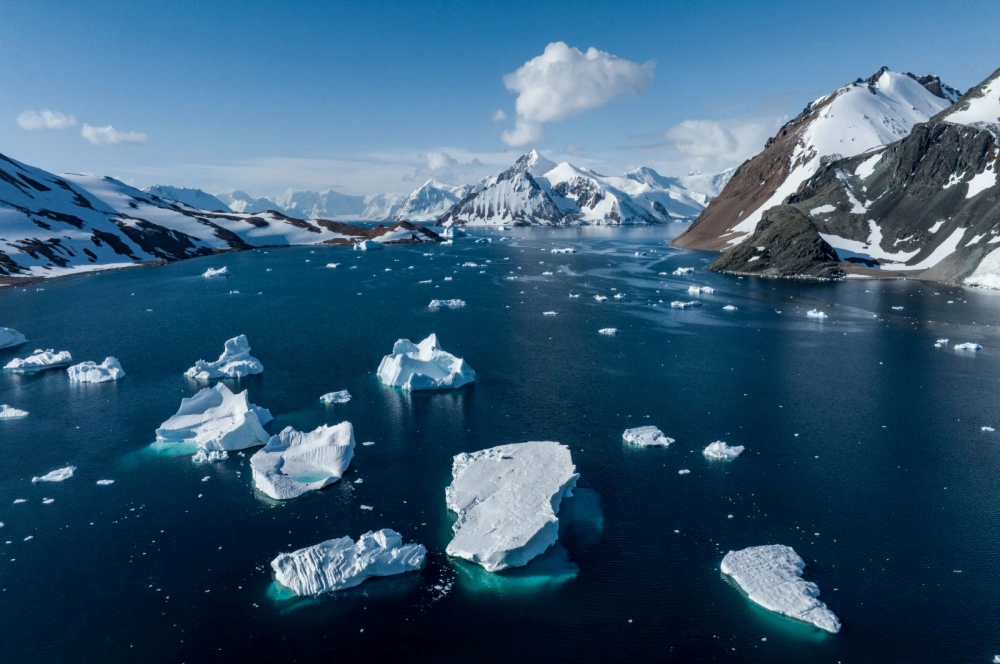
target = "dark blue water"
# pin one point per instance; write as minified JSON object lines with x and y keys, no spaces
{"x":864,"y":453}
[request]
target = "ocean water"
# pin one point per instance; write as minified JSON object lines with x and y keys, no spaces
{"x":864,"y":453}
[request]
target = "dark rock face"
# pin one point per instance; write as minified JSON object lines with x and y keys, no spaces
{"x":785,"y":243}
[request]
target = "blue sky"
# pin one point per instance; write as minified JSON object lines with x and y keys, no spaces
{"x":265,"y":96}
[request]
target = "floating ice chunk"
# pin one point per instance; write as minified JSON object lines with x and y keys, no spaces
{"x":204,"y":456}
{"x":574,"y":295}
{"x":452,"y":232}
{"x":446,"y":304}
{"x":341,"y":396}
{"x":940,"y":343}
{"x":987,"y":429}
{"x":423,"y":366}
{"x":469,"y":264}
{"x":507,"y":500}
{"x":217,"y":419}
{"x":448,"y":278}
{"x":698,"y":290}
{"x":367,"y":245}
{"x":91,"y":372}
{"x":729,"y":307}
{"x":550,"y":313}
{"x":683,"y":270}
{"x":897,"y":308}
{"x":294,"y":462}
{"x":815,"y":313}
{"x":648,"y":436}
{"x":235,"y":362}
{"x":216,"y":272}
{"x":771,"y":576}
{"x":600,"y":298}
{"x":104,"y":482}
{"x":18,"y":501}
{"x":341,"y":563}
{"x":609,"y":331}
{"x":677,"y":304}
{"x":48,"y":501}
{"x":368,"y":508}
{"x":565,"y":250}
{"x":333,"y":265}
{"x":59,"y":475}
{"x":970,"y":346}
{"x":722,"y":452}
{"x":40,"y":360}
{"x":546,"y":274}
{"x":9,"y":412}
{"x":9,"y":337}
{"x":368,"y":443}
{"x":619,"y":296}
{"x":684,"y":471}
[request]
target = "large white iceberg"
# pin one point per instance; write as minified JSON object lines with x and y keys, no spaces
{"x":9,"y":412}
{"x":648,"y":436}
{"x":772,"y":577}
{"x":235,"y":362}
{"x":294,"y":462}
{"x":9,"y":337}
{"x":40,"y":360}
{"x":507,"y":500}
{"x":722,"y":452}
{"x":340,"y":563}
{"x":423,"y":366}
{"x":217,"y":419}
{"x":91,"y":372}
{"x":60,"y":475}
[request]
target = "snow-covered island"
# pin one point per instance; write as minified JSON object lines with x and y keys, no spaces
{"x":235,"y":362}
{"x":722,"y":452}
{"x":9,"y":337}
{"x":648,"y":436}
{"x":294,"y":462}
{"x":771,"y":576}
{"x":341,"y":563}
{"x":507,"y":500}
{"x":40,"y":360}
{"x":217,"y":419}
{"x":423,"y":366}
{"x":91,"y":372}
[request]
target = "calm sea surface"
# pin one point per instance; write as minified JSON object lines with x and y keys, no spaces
{"x":864,"y":453}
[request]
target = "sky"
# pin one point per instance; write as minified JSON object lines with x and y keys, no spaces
{"x":379,"y":97}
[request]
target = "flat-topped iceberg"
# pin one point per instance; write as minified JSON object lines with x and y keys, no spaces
{"x":216,"y":272}
{"x":677,"y":304}
{"x":60,"y":475}
{"x":217,"y":419}
{"x":9,"y":337}
{"x":235,"y":362}
{"x":608,"y":331}
{"x":683,"y":270}
{"x":203,"y":456}
{"x":341,"y":396}
{"x":446,"y":304}
{"x":772,"y":577}
{"x":341,"y":563}
{"x":423,"y":366}
{"x":91,"y":372}
{"x":294,"y":462}
{"x":648,"y":436}
{"x":507,"y":500}
{"x":40,"y":360}
{"x":974,"y":347}
{"x":722,"y":452}
{"x":565,"y":250}
{"x":698,"y":290}
{"x":367,"y":245}
{"x":10,"y":413}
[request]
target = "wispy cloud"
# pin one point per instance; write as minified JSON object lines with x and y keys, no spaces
{"x":499,"y":115}
{"x":31,"y":120}
{"x":111,"y":136}
{"x":564,"y":81}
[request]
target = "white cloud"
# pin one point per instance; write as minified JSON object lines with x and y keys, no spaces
{"x":111,"y":136}
{"x":564,"y":81}
{"x":46,"y":119}
{"x":499,"y":115}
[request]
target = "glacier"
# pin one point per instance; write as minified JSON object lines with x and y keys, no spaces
{"x":217,"y":419}
{"x":294,"y":462}
{"x":235,"y":362}
{"x":9,"y":337}
{"x":648,"y":436}
{"x":40,"y":360}
{"x":91,"y":372}
{"x":423,"y":366}
{"x":722,"y":452}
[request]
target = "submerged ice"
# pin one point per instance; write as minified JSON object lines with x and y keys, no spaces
{"x":423,"y":366}
{"x":294,"y":462}
{"x":235,"y":362}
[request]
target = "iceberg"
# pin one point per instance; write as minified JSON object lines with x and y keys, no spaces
{"x":815,"y":313}
{"x":341,"y":563}
{"x":216,"y":272}
{"x":676,"y":304}
{"x":59,"y":475}
{"x":600,"y":298}
{"x":9,"y":337}
{"x":974,"y":347}
{"x":9,"y":412}
{"x":423,"y":366}
{"x":507,"y":500}
{"x":333,"y":265}
{"x":722,"y":452}
{"x":698,"y":290}
{"x":217,"y":419}
{"x":104,"y":482}
{"x":91,"y":372}
{"x":729,"y":307}
{"x":235,"y":362}
{"x":649,"y":436}
{"x":772,"y":577}
{"x":940,"y":343}
{"x":294,"y":462}
{"x":40,"y":360}
{"x":446,"y":304}
{"x":452,"y":232}
{"x":343,"y":396}
{"x":567,"y":250}
{"x":608,"y":331}
{"x":683,"y":270}
{"x":367,"y":245}
{"x":203,"y":456}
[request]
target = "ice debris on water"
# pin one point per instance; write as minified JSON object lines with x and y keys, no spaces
{"x":970,"y":346}
{"x":684,"y":471}
{"x":719,"y":450}
{"x":59,"y":475}
{"x":677,"y":304}
{"x":648,"y":436}
{"x":446,"y":304}
{"x":566,"y":250}
{"x":367,"y":245}
{"x":941,"y":343}
{"x":104,"y":482}
{"x":729,"y":307}
{"x":209,"y":456}
{"x":550,"y":313}
{"x":698,"y":290}
{"x":683,"y":270}
{"x":608,"y":331}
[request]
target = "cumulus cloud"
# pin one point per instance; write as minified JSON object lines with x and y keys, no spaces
{"x":111,"y":136}
{"x":564,"y":81}
{"x":441,"y":166}
{"x":499,"y":115}
{"x":46,"y":119}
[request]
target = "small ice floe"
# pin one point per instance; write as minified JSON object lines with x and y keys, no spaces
{"x":771,"y":576}
{"x":367,"y":245}
{"x":574,"y":295}
{"x":9,"y":337}
{"x":684,"y":471}
{"x":507,"y":499}
{"x":940,"y":343}
{"x":447,"y":243}
{"x":987,"y":429}
{"x":546,"y":274}
{"x":815,"y":313}
{"x":60,"y":475}
{"x":722,"y":452}
{"x":341,"y":563}
{"x":342,"y":396}
{"x":566,"y":250}
{"x":368,"y":443}
{"x":683,"y":270}
{"x":897,"y":308}
{"x":104,"y":482}
{"x":216,"y":272}
{"x":367,"y":508}
{"x":600,"y":298}
{"x":970,"y":346}
{"x":608,"y":331}
{"x":423,"y":366}
{"x":452,"y":232}
{"x":333,"y":265}
{"x":446,"y":304}
{"x":294,"y":462}
{"x":469,"y":264}
{"x":40,"y":360}
{"x":729,"y":307}
{"x":217,"y":419}
{"x":209,"y":456}
{"x":48,"y":501}
{"x":426,"y":281}
{"x":619,"y":296}
{"x":677,"y":304}
{"x":10,"y":413}
{"x":91,"y":372}
{"x":235,"y":362}
{"x":648,"y":436}
{"x":550,"y":313}
{"x":698,"y":290}
{"x":448,"y":278}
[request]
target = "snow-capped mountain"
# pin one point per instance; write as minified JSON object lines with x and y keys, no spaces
{"x":52,"y":225}
{"x":858,"y":117}
{"x":241,"y":201}
{"x":430,"y":201}
{"x":536,"y":191}
{"x":321,"y":205}
{"x":195,"y":198}
{"x":379,"y":207}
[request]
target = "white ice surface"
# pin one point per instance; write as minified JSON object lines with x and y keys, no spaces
{"x":235,"y":362}
{"x":341,"y":396}
{"x":423,"y":366}
{"x":9,"y":337}
{"x":40,"y":360}
{"x":294,"y":462}
{"x":446,"y":304}
{"x":648,"y":436}
{"x":91,"y":372}
{"x":722,"y":452}
{"x":216,"y":272}
{"x":217,"y":419}
{"x":10,"y":413}
{"x":816,"y":313}
{"x":59,"y":475}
